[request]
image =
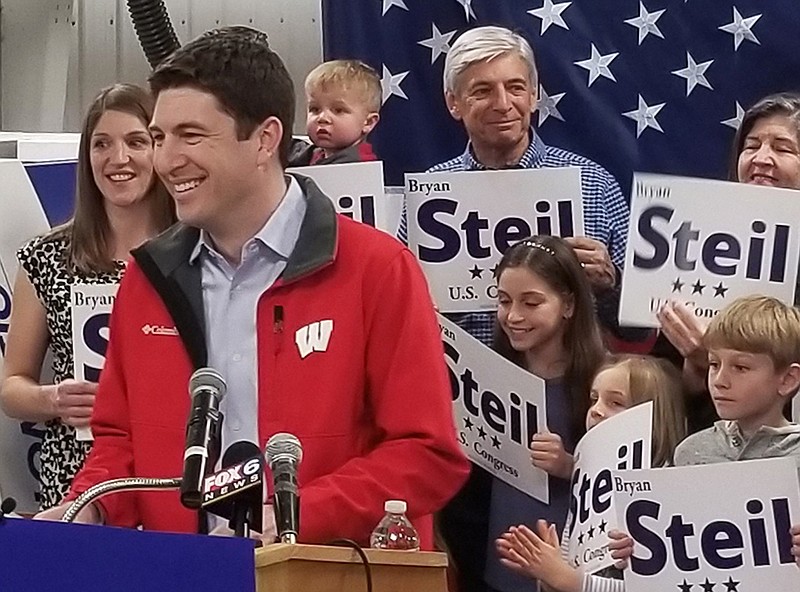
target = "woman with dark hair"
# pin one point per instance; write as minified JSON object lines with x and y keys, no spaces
{"x":766,"y":148}
{"x":546,"y":323}
{"x":765,"y":151}
{"x":119,"y":204}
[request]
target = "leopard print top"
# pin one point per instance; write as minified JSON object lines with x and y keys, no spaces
{"x":44,"y":259}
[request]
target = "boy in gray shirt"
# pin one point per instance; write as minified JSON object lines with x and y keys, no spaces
{"x":753,"y":371}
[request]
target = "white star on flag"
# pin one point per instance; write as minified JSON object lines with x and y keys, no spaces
{"x":694,"y":74}
{"x":550,"y":14}
{"x":735,"y":121}
{"x":387,"y":4}
{"x":547,"y":105}
{"x":740,"y":28}
{"x":438,"y":42}
{"x":468,"y":12}
{"x":390,"y":84}
{"x":645,"y":116}
{"x":646,"y":22}
{"x":597,"y":65}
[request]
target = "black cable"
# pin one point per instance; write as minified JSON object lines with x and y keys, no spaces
{"x":154,"y":29}
{"x":358,"y":549}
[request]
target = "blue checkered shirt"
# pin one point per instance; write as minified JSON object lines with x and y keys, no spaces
{"x":605,"y":218}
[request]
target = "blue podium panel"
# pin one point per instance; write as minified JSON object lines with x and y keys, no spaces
{"x":37,"y":555}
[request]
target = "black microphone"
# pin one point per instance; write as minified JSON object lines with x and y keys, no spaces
{"x":284,"y":454}
{"x":236,"y":491}
{"x":207,"y":388}
{"x":9,"y":505}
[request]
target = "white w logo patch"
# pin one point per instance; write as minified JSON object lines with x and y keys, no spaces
{"x":313,"y":337}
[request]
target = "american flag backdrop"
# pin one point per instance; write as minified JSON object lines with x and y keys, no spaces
{"x":651,"y":85}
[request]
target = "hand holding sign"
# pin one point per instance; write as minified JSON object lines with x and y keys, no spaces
{"x":537,"y":555}
{"x":621,"y":547}
{"x":796,"y":543}
{"x":685,"y":331}
{"x":548,"y":454}
{"x":73,"y":401}
{"x":595,"y":260}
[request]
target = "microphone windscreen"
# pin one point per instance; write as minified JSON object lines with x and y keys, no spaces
{"x":284,"y":447}
{"x":240,"y":451}
{"x":9,"y":505}
{"x":210,"y":378}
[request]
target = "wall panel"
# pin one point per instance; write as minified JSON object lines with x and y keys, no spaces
{"x":56,"y":55}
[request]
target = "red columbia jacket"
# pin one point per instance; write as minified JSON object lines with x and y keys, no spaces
{"x":350,"y":360}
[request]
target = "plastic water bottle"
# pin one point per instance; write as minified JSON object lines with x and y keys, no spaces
{"x":395,"y":531}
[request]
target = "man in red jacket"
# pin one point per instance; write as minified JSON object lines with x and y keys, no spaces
{"x":323,"y":327}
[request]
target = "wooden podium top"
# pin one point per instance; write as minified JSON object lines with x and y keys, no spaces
{"x":283,"y":567}
{"x":282,"y":552}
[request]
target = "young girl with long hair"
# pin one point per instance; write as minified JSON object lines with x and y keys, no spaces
{"x":546,"y":324}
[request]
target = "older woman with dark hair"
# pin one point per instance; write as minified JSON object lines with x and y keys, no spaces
{"x":765,"y":151}
{"x":766,"y":148}
{"x":119,"y":204}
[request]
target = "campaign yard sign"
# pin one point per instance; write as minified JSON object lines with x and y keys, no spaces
{"x":620,"y":442}
{"x":706,"y":243}
{"x":711,"y":528}
{"x":91,"y":306}
{"x":497,"y":407}
{"x":461,"y":223}
{"x":357,"y":191}
{"x":21,"y":218}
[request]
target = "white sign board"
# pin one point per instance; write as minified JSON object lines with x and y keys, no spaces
{"x":681,"y":247}
{"x":357,"y":191}
{"x":498,"y":407}
{"x":460,"y":224}
{"x":722,"y":526}
{"x":21,"y":218}
{"x":620,"y":442}
{"x":91,"y":306}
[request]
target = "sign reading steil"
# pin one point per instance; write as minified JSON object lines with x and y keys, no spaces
{"x":620,"y":442}
{"x":720,"y":527}
{"x":91,"y":306}
{"x":497,"y":408}
{"x":706,"y":243}
{"x":357,"y":191}
{"x":461,"y":223}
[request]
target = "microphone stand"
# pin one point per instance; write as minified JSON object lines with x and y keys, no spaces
{"x":114,"y":485}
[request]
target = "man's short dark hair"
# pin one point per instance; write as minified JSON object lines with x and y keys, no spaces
{"x":237,"y":66}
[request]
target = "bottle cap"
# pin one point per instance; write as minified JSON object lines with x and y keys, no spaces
{"x":395,"y":506}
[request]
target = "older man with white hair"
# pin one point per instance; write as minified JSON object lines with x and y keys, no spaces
{"x":491,"y":86}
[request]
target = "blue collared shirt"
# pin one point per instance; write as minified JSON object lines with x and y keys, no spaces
{"x":230,"y":298}
{"x":605,"y":218}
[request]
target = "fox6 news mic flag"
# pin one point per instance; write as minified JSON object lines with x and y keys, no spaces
{"x":497,"y":407}
{"x":91,"y":306}
{"x":620,"y":442}
{"x":236,"y":491}
{"x":681,"y":247}
{"x":460,"y":224}
{"x":722,"y":526}
{"x":22,"y":217}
